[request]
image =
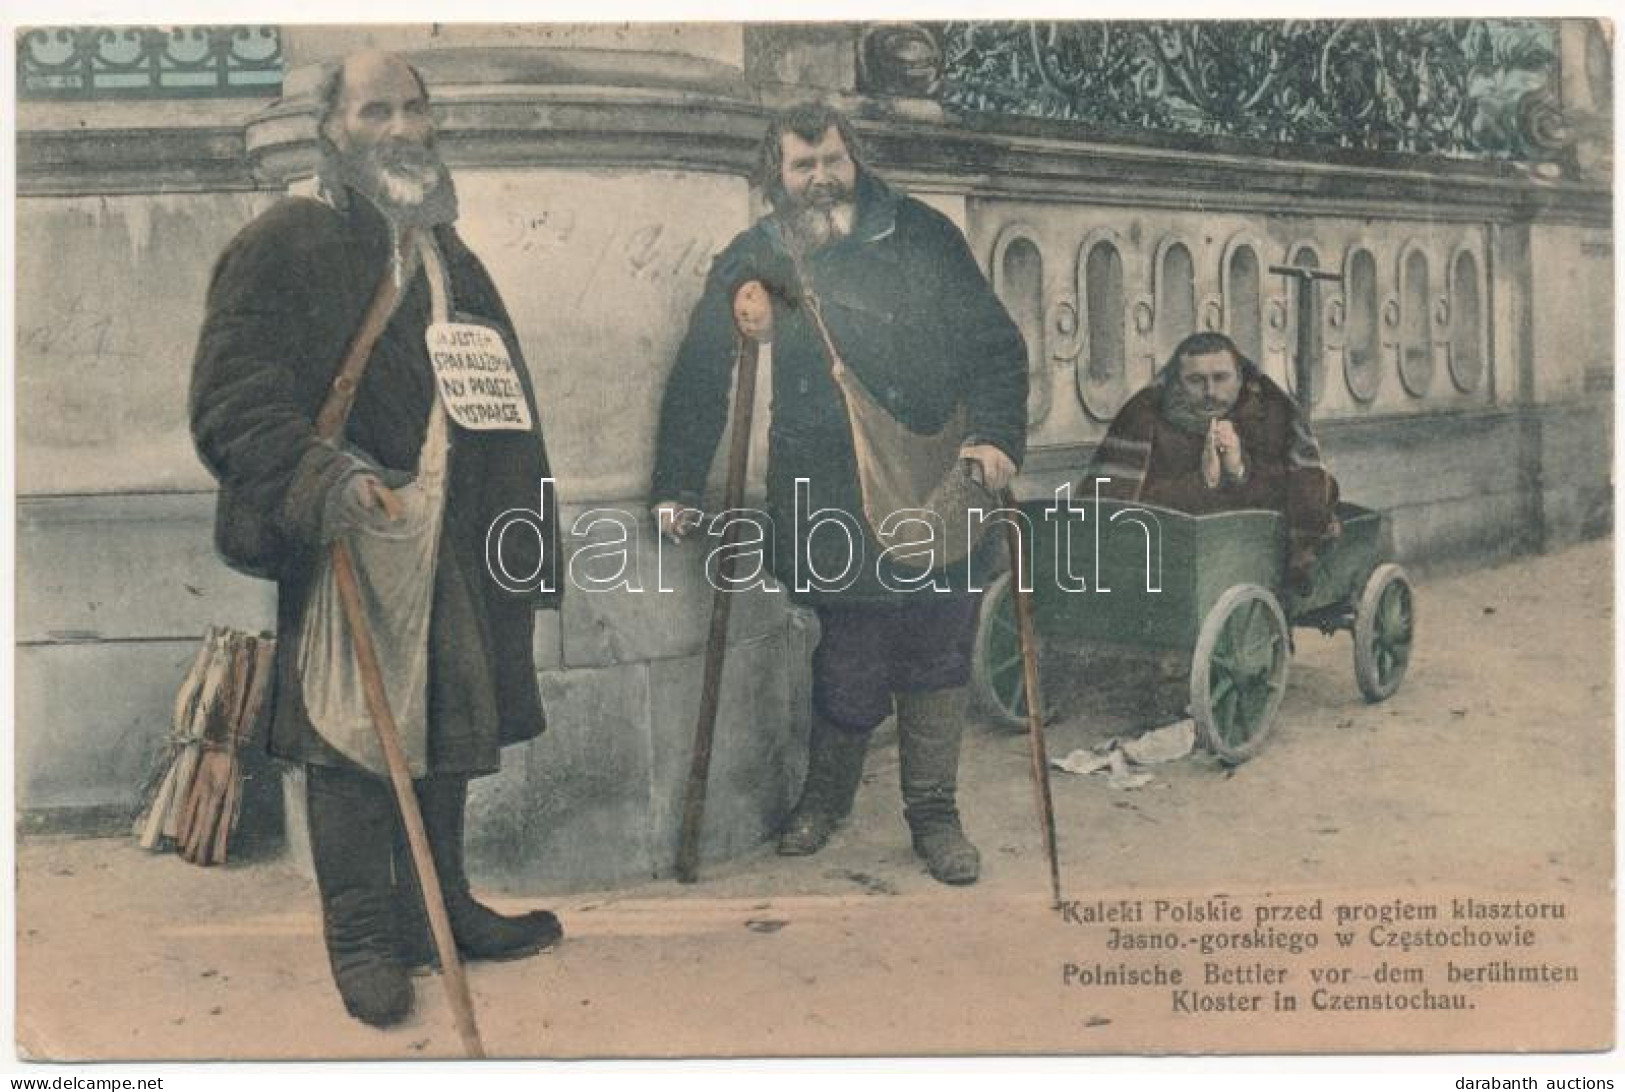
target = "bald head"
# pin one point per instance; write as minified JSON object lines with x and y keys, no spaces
{"x":365,"y":64}
{"x":374,"y":95}
{"x":376,"y":118}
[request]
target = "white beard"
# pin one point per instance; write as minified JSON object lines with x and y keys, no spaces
{"x":403,"y":190}
{"x":402,"y":178}
{"x":814,"y":227}
{"x":840,"y":219}
{"x":405,"y":186}
{"x":409,"y":185}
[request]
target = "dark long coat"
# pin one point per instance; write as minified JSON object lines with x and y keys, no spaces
{"x":285,"y":299}
{"x":911,"y":314}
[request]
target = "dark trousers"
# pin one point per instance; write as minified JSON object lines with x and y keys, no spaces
{"x":868,"y":653}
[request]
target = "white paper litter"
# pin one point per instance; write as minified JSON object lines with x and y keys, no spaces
{"x":1119,"y":758}
{"x":1082,"y":762}
{"x":1122,"y":778}
{"x":1162,"y":744}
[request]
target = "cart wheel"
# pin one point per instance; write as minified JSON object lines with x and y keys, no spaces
{"x":1238,"y":671}
{"x":998,"y":680}
{"x":1384,"y":624}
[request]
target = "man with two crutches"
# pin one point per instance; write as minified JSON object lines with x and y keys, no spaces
{"x":356,"y":474}
{"x":871,"y":302}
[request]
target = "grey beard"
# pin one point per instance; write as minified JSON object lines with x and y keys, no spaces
{"x":812,"y":227}
{"x":407,"y":188}
{"x":408,"y":194}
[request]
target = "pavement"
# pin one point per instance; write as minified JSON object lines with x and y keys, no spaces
{"x":1489,"y":775}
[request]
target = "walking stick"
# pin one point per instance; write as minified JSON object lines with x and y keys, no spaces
{"x":400,"y":776}
{"x":329,"y":424}
{"x":748,"y":353}
{"x":1035,"y":703}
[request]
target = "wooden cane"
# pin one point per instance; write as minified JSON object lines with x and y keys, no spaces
{"x":688,"y":849}
{"x":329,"y":424}
{"x":400,"y":776}
{"x":1035,"y":702}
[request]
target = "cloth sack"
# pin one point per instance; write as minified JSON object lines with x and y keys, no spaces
{"x":395,"y":569}
{"x":902,"y":471}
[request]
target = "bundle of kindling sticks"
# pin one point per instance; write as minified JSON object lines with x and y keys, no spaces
{"x":194,"y":800}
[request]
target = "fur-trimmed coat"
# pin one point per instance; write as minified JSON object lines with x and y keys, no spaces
{"x":284,"y":302}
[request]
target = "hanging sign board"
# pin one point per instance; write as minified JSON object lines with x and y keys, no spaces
{"x":479,"y":383}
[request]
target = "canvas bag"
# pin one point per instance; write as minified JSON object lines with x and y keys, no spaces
{"x":900,"y":470}
{"x":395,"y":570}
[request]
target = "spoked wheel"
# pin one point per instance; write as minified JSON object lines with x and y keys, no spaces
{"x":1384,"y":625}
{"x":1238,"y":671}
{"x":998,"y":681}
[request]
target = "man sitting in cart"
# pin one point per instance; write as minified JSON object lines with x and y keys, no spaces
{"x":1212,"y":433}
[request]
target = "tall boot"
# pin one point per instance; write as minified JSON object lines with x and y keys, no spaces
{"x":352,"y":822}
{"x":929,"y":729}
{"x":834,"y":769}
{"x":480,"y":932}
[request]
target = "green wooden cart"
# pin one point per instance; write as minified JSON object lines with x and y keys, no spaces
{"x":1210,"y":587}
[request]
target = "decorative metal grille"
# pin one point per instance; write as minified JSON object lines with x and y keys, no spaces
{"x":148,"y":62}
{"x":1483,"y":88}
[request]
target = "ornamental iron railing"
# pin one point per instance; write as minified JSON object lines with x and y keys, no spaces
{"x":1478,"y":88}
{"x":148,"y":62}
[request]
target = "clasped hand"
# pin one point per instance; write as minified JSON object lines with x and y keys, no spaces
{"x":1221,"y":454}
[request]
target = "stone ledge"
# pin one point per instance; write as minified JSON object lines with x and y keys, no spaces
{"x":132,"y":160}
{"x":1065,"y":165}
{"x":596,"y":128}
{"x":449,"y":68}
{"x":99,"y":115}
{"x":531,"y":107}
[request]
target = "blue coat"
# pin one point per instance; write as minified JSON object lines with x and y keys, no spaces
{"x":914,"y":319}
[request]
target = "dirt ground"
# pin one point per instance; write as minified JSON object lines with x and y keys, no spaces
{"x":1490,"y":772}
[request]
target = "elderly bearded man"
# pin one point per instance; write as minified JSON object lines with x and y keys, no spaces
{"x":857,"y":272}
{"x":1213,"y":434}
{"x":412,"y":494}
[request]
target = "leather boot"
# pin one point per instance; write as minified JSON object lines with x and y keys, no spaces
{"x":929,"y":727}
{"x":352,"y":821}
{"x":834,"y":769}
{"x":480,"y":932}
